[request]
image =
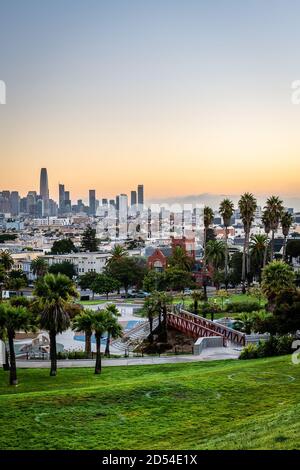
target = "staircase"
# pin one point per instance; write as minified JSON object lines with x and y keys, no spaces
{"x":134,"y":337}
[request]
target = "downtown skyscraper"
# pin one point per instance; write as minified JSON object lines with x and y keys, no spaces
{"x":44,"y":191}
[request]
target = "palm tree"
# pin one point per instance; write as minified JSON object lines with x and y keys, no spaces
{"x":113,"y":327}
{"x":117,"y":253}
{"x":215,"y":253}
{"x":6,"y":260}
{"x":274,"y":206}
{"x":208,"y":215}
{"x":99,"y":328}
{"x":39,"y":266}
{"x":226,"y":210}
{"x":286,"y":223}
{"x":14,"y":319}
{"x":257,"y":247}
{"x":247,"y":207}
{"x":54,"y":293}
{"x":3,"y":279}
{"x":267,"y":228}
{"x":84,"y":322}
{"x":276,"y":277}
{"x":180,"y":259}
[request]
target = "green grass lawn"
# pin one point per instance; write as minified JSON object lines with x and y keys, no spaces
{"x":206,"y":405}
{"x":92,"y":302}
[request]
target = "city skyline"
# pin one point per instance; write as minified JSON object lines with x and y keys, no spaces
{"x":117,"y":91}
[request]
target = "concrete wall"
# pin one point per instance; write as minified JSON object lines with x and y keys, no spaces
{"x":207,"y":342}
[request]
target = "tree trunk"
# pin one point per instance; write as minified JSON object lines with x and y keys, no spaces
{"x":226,"y":258}
{"x":98,"y":354}
{"x":107,"y":351}
{"x":284,"y":248}
{"x":204,"y":267}
{"x":53,"y":356}
{"x":13,"y":368}
{"x":272,"y":245}
{"x":266,"y":252}
{"x":6,"y":365}
{"x":87,"y":347}
{"x":244,"y":262}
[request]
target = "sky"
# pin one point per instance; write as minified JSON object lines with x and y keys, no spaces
{"x":186,"y":97}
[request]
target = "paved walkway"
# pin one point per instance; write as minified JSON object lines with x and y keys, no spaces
{"x":211,"y":354}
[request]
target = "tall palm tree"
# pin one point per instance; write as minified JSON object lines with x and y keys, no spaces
{"x":257,"y":248}
{"x":267,"y":228}
{"x":99,"y":328}
{"x":275,"y":208}
{"x":286,"y":223}
{"x":14,"y":319}
{"x":54,"y":294}
{"x":247,"y":207}
{"x":84,"y":322}
{"x":208,"y":215}
{"x":39,"y":266}
{"x":6,"y":260}
{"x":226,"y":210}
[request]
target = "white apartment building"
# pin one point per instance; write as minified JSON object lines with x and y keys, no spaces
{"x":83,"y":262}
{"x":51,"y":222}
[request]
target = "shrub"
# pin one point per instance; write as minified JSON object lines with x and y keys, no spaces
{"x":274,"y":346}
{"x":243,"y":306}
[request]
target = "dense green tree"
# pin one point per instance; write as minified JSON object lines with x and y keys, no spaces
{"x":197,"y":296}
{"x":86,"y":281}
{"x":89,"y":241}
{"x":178,"y":279}
{"x":16,"y":280}
{"x":226,"y":211}
{"x":235,"y":263}
{"x":54,"y":294}
{"x":105,"y":284}
{"x":180,"y":260}
{"x":276,"y":276}
{"x":66,"y":267}
{"x":154,"y":281}
{"x":128,"y":271}
{"x":64,"y":246}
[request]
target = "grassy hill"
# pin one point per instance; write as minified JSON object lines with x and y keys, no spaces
{"x":208,"y":405}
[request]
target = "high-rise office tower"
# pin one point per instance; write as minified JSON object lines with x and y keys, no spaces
{"x":68,"y":203}
{"x":140,"y":194}
{"x":92,"y":201}
{"x":44,"y":190}
{"x":117,"y":202}
{"x":61,"y":198}
{"x":14,"y":203}
{"x":123,"y":207}
{"x":133,"y":198}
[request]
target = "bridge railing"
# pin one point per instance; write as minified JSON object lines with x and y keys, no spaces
{"x":229,"y":333}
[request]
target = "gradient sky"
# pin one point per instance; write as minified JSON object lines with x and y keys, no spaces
{"x":184,"y":96}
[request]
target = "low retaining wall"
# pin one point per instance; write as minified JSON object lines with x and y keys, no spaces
{"x":207,"y":342}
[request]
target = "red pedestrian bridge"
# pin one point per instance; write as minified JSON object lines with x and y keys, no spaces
{"x":199,"y":327}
